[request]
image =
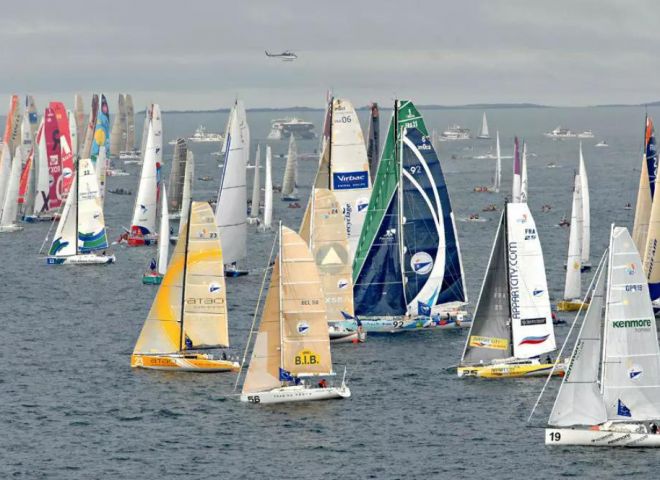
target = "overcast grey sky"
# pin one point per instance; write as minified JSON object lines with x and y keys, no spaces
{"x":201,"y":54}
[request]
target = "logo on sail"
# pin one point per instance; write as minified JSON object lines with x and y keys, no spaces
{"x":303,"y":328}
{"x":342,"y":283}
{"x":361,"y":204}
{"x":538,"y":292}
{"x":421,"y":263}
{"x":67,"y":172}
{"x":522,"y":219}
{"x":143,"y":208}
{"x":635,"y":372}
{"x":214,"y":288}
{"x":534,"y":340}
{"x":350,"y":180}
{"x":489,"y":342}
{"x":632,"y":323}
{"x":631,"y":269}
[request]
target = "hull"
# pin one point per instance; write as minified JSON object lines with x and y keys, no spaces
{"x":85,"y":259}
{"x":184,"y":363}
{"x":298,"y":393}
{"x":600,"y":438}
{"x":339,"y":334}
{"x":142,"y":241}
{"x":10,"y":228}
{"x":233,"y":272}
{"x":40,"y":218}
{"x":571,"y":305}
{"x":152,"y":278}
{"x":504,"y":370}
{"x":394,"y":324}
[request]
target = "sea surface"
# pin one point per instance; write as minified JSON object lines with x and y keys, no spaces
{"x":72,"y":408}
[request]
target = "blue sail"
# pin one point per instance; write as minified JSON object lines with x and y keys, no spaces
{"x":378,"y":289}
{"x":651,"y":153}
{"x":432,"y":262}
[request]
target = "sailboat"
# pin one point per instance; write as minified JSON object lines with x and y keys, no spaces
{"x":408,"y":268}
{"x":8,"y":145}
{"x":289,"y":187}
{"x":292,"y":345}
{"x":79,"y":112}
{"x":483,"y":134}
{"x":118,"y":134}
{"x":189,"y":312}
{"x":610,"y":396}
{"x":10,"y":202}
{"x":129,"y":149}
{"x":572,"y":289}
{"x":177,"y":174}
{"x":143,"y":225}
{"x":512,"y":324}
{"x":646,"y":191}
{"x":81,"y":230}
{"x":186,"y":196}
{"x":329,"y":245}
{"x":256,"y":190}
{"x":159,"y":266}
{"x":267,"y":222}
{"x":232,"y":198}
{"x":585,"y":250}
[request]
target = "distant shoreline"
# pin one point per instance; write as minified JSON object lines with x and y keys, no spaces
{"x":475,"y":106}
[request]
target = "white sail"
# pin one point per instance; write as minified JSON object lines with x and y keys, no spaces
{"x":245,"y":130}
{"x":586,"y":212}
{"x":268,"y":190}
{"x":5,"y":171}
{"x":531,"y":319}
{"x":41,"y":172}
{"x":523,"y":175}
{"x":117,"y":134}
{"x":498,"y":165}
{"x":484,"y":128}
{"x":26,"y":135}
{"x":164,"y":234}
{"x":130,"y":124}
{"x":349,"y":169}
{"x":256,"y":187}
{"x":73,"y":130}
{"x":573,"y":287}
{"x":289,"y":183}
{"x":145,"y":128}
{"x":232,"y":197}
{"x":64,"y":241}
{"x":515,"y":186}
{"x":10,"y":204}
{"x":186,"y":196}
{"x":101,"y":167}
{"x":144,"y":213}
{"x":579,"y":401}
{"x":79,"y":112}
{"x":630,"y":378}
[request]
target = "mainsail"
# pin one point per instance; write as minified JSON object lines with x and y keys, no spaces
{"x":101,"y":131}
{"x":573,"y":287}
{"x":484,"y":128}
{"x":163,"y":234}
{"x":256,"y":186}
{"x":130,"y":124}
{"x":586,"y":213}
{"x":373,"y":145}
{"x":516,"y":186}
{"x":10,"y":204}
{"x":79,"y":112}
{"x":190,"y":308}
{"x":177,"y":173}
{"x":187,"y":189}
{"x":523,"y":175}
{"x":232,"y":196}
{"x":289,"y":189}
{"x":268,"y":190}
{"x":118,"y":135}
{"x":645,"y":193}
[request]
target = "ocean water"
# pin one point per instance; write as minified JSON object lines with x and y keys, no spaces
{"x":73,"y":408}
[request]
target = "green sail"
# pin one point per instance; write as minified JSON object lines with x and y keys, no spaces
{"x":387,"y":179}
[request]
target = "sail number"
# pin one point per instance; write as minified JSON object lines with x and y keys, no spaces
{"x":397,"y":323}
{"x":307,"y":357}
{"x":345,"y":119}
{"x":555,"y":436}
{"x":415,"y":169}
{"x":254,"y":399}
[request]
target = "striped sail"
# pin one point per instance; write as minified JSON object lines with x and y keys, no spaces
{"x":195,"y":273}
{"x":232,"y":196}
{"x":646,"y":189}
{"x":531,"y":319}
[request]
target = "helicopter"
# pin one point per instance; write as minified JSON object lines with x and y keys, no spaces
{"x":287,"y":55}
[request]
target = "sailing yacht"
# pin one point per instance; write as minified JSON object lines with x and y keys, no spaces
{"x":232,"y":194}
{"x":512,"y":323}
{"x":407,"y":271}
{"x":158,"y":267}
{"x":255,"y":203}
{"x":81,"y":230}
{"x":483,"y":134}
{"x":9,"y":204}
{"x":292,"y":346}
{"x":610,"y":396}
{"x":266,"y":224}
{"x":143,"y":225}
{"x":189,"y":312}
{"x":289,"y":187}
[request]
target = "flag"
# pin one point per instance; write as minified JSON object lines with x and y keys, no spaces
{"x":347,"y":316}
{"x":285,"y":376}
{"x":622,"y":410}
{"x":423,"y":309}
{"x":152,"y":265}
{"x":189,"y":343}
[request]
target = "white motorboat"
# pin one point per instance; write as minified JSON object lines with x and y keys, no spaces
{"x":202,"y":136}
{"x":586,"y":134}
{"x":560,"y":132}
{"x":283,"y":128}
{"x":455,"y":132}
{"x":602,"y":144}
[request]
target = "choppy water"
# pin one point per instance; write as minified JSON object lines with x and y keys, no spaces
{"x":71,"y":407}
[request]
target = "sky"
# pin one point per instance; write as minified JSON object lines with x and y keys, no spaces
{"x":202,"y":54}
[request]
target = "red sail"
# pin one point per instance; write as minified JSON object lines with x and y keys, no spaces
{"x":66,"y":155}
{"x":25,"y":178}
{"x":54,"y":151}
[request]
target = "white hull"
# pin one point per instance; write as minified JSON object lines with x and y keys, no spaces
{"x":84,"y":259}
{"x":600,"y":438}
{"x":10,"y":228}
{"x":297,"y":393}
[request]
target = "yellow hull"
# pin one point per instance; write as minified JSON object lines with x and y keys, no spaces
{"x":503,"y":370}
{"x":571,"y":305}
{"x":183,"y":363}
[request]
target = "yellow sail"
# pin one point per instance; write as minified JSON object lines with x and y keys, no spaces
{"x":205,"y":308}
{"x":205,"y":312}
{"x":329,"y":245}
{"x":305,"y":339}
{"x":263,"y":372}
{"x":642,"y":210}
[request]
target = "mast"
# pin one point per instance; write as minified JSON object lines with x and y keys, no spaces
{"x":76,"y":199}
{"x":507,"y":271}
{"x":279,"y":292}
{"x":332,"y":108}
{"x":399,"y":164}
{"x":183,"y":278}
{"x":607,"y":308}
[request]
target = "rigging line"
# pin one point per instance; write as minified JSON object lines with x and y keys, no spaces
{"x":256,"y":312}
{"x":592,"y":286}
